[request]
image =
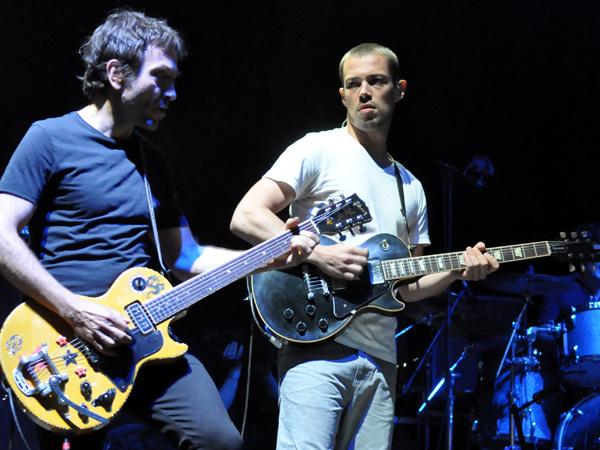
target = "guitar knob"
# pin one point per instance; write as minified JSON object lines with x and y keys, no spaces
{"x":301,"y":327}
{"x":311,"y":310}
{"x":139,"y":284}
{"x":323,"y":324}
{"x":105,"y":399}
{"x":288,"y":313}
{"x":86,"y":389}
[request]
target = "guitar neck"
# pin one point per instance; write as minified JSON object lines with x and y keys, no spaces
{"x":184,"y":295}
{"x":395,"y":269}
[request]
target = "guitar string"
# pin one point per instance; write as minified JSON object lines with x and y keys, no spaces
{"x":442,"y":261}
{"x":156,"y":306}
{"x":432,"y":260}
{"x":38,"y":368}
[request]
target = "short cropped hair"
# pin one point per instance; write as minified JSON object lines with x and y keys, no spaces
{"x":368,"y":49}
{"x":125,"y":36}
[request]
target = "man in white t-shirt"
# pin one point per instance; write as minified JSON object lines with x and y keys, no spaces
{"x":339,"y":393}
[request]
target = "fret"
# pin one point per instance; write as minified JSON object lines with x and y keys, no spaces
{"x":440,"y":263}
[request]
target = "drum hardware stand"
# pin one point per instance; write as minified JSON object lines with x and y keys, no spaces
{"x":427,"y":319}
{"x":453,"y":375}
{"x":515,"y":421}
{"x":425,"y":359}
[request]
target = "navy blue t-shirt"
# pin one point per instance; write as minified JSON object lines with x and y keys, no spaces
{"x":92,"y":220}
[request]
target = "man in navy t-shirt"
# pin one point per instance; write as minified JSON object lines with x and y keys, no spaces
{"x":78,"y":181}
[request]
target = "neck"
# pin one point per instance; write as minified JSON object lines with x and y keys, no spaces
{"x":101,"y":115}
{"x":375,"y":142}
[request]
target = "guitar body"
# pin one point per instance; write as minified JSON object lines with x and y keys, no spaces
{"x":304,"y":305}
{"x":39,"y":350}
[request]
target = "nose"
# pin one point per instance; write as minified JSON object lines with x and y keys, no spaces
{"x":365,"y":91}
{"x":170,"y":93}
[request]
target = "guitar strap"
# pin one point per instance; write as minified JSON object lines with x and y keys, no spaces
{"x":166,"y":272}
{"x":397,"y":167}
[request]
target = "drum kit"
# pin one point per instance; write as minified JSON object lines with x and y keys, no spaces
{"x":530,"y":406}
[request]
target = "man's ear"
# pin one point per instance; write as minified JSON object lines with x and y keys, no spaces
{"x":343,"y":96}
{"x":399,"y":90}
{"x":114,"y":74}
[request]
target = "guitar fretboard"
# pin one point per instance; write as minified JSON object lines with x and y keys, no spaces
{"x":187,"y":293}
{"x":422,"y":265}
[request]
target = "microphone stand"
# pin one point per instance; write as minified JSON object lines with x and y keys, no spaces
{"x":448,"y":198}
{"x":450,"y":173}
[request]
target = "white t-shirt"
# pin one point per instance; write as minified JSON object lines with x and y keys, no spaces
{"x":323,"y":165}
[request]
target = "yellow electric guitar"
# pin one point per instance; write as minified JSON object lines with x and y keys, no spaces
{"x":64,"y":385}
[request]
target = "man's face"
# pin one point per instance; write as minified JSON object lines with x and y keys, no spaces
{"x":368,"y":93}
{"x":146,"y":97}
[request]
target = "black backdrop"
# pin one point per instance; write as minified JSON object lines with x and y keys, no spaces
{"x":517,"y":81}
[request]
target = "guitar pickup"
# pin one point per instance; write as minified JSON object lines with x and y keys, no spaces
{"x":140,"y":318}
{"x":375,"y":272}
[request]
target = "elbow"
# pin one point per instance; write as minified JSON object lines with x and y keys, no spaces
{"x":237,"y":224}
{"x":234,"y":226}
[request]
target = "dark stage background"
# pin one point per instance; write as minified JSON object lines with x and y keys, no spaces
{"x":515,"y":81}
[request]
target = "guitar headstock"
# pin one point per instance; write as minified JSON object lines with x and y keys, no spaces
{"x":576,"y":248}
{"x":342,"y":215}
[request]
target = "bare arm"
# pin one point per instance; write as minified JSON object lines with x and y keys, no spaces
{"x":255,"y":220}
{"x":98,"y":324}
{"x":187,"y":258}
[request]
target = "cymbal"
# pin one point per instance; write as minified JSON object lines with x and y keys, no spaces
{"x":517,"y":283}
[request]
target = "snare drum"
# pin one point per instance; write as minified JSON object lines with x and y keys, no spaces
{"x":580,"y":352}
{"x":579,"y":429}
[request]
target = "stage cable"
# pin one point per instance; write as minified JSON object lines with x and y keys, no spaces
{"x":16,"y":423}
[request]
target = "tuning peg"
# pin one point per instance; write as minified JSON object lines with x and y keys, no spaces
{"x":574,"y":234}
{"x":563,"y":235}
{"x":571,"y":268}
{"x":342,"y":237}
{"x":582,"y":267}
{"x":585,"y":234}
{"x":352,"y":232}
{"x":362,"y":228}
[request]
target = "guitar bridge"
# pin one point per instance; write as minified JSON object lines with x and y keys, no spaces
{"x":25,"y":366}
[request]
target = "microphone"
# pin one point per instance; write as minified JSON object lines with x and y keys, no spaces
{"x":480,"y":168}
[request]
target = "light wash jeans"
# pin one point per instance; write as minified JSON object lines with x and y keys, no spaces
{"x":342,"y":404}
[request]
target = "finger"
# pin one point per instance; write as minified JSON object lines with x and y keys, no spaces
{"x":292,"y":222}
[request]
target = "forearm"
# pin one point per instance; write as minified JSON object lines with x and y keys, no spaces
{"x":210,"y":258}
{"x":21,"y":268}
{"x":255,"y":225}
{"x":427,"y":286}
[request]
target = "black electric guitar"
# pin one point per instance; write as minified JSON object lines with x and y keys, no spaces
{"x":304,"y":305}
{"x":65,"y":386}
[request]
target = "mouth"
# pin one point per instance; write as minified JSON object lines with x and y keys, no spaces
{"x":367,"y":107}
